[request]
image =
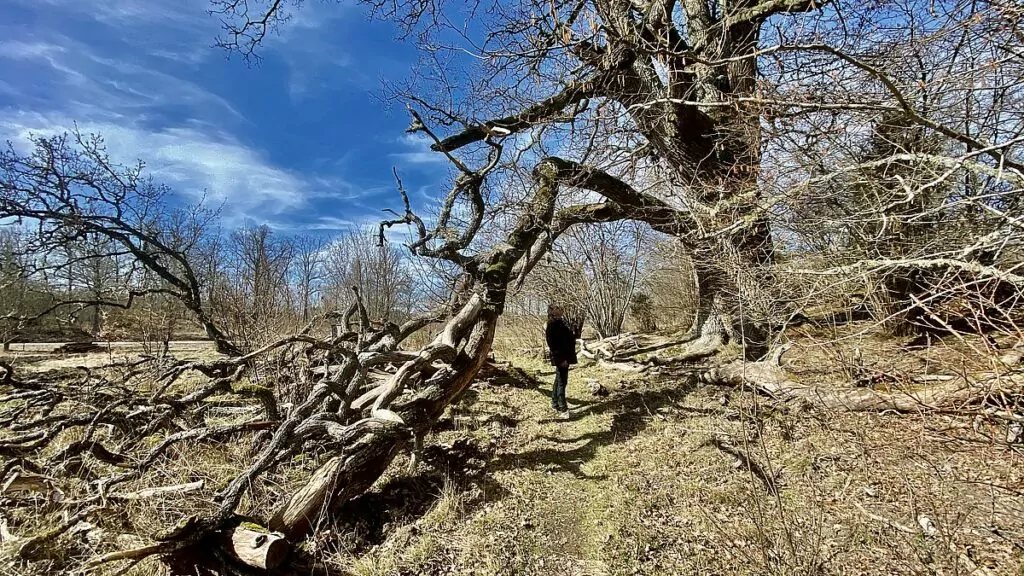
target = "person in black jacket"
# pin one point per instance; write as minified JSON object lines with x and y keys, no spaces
{"x":562,"y":347}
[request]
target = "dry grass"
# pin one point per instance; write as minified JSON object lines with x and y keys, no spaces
{"x":40,"y":358}
{"x":633,"y":483}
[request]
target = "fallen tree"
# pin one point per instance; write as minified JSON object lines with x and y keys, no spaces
{"x":995,"y":394}
{"x":356,"y":417}
{"x":621,"y":352}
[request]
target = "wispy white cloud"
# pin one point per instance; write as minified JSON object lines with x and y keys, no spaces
{"x":85,"y":83}
{"x":22,"y":50}
{"x":196,"y":164}
{"x":140,"y":90}
{"x":417,"y":152}
{"x":129,"y":103}
{"x":318,"y":224}
{"x":180,"y":30}
{"x":315,"y":56}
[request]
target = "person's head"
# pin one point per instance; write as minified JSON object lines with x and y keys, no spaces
{"x":555,"y":311}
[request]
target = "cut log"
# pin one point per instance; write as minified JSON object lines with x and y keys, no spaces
{"x":256,"y":546}
{"x":587,"y":353}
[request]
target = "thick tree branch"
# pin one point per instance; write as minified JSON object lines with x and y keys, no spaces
{"x":765,"y":9}
{"x":638,"y":205}
{"x":546,"y":111}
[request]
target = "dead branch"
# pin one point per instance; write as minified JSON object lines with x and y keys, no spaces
{"x":769,"y":481}
{"x":768,"y":378}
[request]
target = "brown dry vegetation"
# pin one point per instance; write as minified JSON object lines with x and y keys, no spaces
{"x":637,"y":482}
{"x":634,"y":483}
{"x":837,"y":181}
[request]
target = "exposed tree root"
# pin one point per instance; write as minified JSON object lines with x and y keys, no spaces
{"x":660,"y":344}
{"x":701,"y":348}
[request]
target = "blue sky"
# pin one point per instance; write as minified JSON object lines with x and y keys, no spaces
{"x":301,"y":142}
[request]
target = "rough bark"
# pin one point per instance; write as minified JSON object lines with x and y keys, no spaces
{"x":709,"y":329}
{"x":308,"y":502}
{"x":713,"y":150}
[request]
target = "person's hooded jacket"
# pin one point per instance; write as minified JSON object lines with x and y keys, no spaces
{"x":561,"y":341}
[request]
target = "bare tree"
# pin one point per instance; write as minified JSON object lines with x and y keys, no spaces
{"x":255,"y":305}
{"x":94,"y":271}
{"x":309,"y":271}
{"x":379,"y":271}
{"x":15,"y":287}
{"x":672,"y":284}
{"x":907,"y":198}
{"x":595,"y":269}
{"x":68,"y":189}
{"x":641,"y":308}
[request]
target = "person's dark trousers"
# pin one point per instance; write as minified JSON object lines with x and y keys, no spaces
{"x":558,"y":390}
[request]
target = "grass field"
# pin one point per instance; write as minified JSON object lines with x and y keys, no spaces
{"x":633,"y":483}
{"x":662,"y":475}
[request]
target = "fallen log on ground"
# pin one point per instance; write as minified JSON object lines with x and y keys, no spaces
{"x":658,"y":345}
{"x":352,"y":400}
{"x":768,"y":378}
{"x":635,"y":367}
{"x":78,"y":348}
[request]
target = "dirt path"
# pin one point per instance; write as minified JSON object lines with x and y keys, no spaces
{"x":633,"y":484}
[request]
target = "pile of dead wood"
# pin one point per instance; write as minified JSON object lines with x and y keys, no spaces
{"x":995,"y":395}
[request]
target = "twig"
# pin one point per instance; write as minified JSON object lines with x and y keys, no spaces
{"x":884,"y":520}
{"x":745,"y":461}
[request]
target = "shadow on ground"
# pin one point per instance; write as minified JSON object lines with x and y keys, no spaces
{"x":369,"y":519}
{"x":468,"y":461}
{"x":632,"y":411}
